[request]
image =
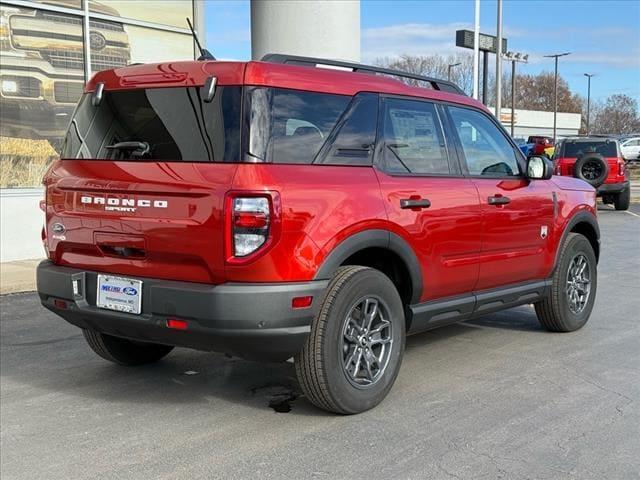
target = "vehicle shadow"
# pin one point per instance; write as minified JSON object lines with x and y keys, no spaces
{"x":187,"y":377}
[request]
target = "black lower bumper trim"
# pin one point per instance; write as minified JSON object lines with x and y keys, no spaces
{"x":611,"y":188}
{"x":249,"y":320}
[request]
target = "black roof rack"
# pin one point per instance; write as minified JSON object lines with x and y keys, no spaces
{"x":435,"y":83}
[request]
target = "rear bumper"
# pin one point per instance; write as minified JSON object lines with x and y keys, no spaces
{"x":610,"y":188}
{"x":249,"y":320}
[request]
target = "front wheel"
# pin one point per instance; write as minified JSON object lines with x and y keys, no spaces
{"x":354,"y":351}
{"x":573,"y":291}
{"x":124,"y":352}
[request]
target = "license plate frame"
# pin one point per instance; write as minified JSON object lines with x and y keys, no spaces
{"x":120,"y":294}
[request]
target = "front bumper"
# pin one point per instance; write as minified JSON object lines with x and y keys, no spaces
{"x":249,"y":320}
{"x":612,"y":188}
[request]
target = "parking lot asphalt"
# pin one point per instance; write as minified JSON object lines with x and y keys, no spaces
{"x":497,"y":397}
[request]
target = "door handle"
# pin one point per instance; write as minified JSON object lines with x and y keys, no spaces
{"x":498,"y":200}
{"x":414,"y":203}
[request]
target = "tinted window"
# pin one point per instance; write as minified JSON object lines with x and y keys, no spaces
{"x":289,"y":126}
{"x":577,"y":149}
{"x":174,"y":123}
{"x":356,"y":134}
{"x":486,"y":149}
{"x":413,"y":140}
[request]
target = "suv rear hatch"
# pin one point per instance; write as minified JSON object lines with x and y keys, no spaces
{"x":140,"y":186}
{"x":572,"y":150}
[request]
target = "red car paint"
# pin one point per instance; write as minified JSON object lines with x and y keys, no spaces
{"x":462,"y":243}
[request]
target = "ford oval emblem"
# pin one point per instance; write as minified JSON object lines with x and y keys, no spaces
{"x":58,"y":228}
{"x":129,"y":291}
{"x":97,"y":41}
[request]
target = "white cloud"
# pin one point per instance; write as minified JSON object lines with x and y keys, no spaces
{"x":426,"y":39}
{"x":417,"y":39}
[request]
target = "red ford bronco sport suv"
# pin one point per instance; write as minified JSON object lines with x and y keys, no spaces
{"x":599,"y":162}
{"x":273,"y":210}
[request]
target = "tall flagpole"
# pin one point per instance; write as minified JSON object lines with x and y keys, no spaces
{"x":476,"y":50}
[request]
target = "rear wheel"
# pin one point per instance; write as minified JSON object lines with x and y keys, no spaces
{"x":353,"y":354}
{"x":573,"y":291}
{"x":622,"y":200}
{"x":123,"y":351}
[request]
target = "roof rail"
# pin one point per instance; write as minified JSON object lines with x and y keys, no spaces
{"x":435,"y":83}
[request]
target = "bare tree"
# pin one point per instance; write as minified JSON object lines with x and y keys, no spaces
{"x":436,"y":66}
{"x":617,"y":115}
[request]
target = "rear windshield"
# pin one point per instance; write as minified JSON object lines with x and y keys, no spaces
{"x":172,"y":124}
{"x":577,"y":149}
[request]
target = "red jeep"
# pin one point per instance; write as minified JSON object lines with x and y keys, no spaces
{"x":599,"y":162}
{"x":273,"y":210}
{"x":541,"y":145}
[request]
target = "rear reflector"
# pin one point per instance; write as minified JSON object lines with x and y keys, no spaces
{"x":61,"y":304}
{"x":177,"y":324}
{"x":302,"y":302}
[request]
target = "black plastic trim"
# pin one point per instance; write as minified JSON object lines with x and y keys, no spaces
{"x":374,"y":238}
{"x":579,"y":217}
{"x":249,"y":320}
{"x":437,"y":313}
{"x":606,"y":188}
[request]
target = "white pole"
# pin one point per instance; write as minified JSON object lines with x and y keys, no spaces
{"x":476,"y":50}
{"x":499,"y":63}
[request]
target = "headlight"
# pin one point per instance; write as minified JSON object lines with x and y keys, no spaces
{"x":9,"y":86}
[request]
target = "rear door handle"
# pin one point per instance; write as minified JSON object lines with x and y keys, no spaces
{"x":498,"y":200}
{"x":416,"y":203}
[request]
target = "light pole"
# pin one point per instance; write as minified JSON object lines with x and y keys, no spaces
{"x":499,"y":62}
{"x":514,"y":57}
{"x":555,"y":90}
{"x":588,"y":75}
{"x":449,"y":69}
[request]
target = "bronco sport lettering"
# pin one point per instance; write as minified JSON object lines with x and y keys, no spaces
{"x":278,"y":210}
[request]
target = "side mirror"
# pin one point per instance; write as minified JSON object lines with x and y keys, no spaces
{"x":539,"y":168}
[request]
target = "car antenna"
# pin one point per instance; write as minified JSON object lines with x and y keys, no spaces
{"x":204,"y":53}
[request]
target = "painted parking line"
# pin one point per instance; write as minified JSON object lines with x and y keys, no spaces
{"x":631,"y":213}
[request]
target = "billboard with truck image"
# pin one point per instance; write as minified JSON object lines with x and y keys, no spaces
{"x":42,"y":71}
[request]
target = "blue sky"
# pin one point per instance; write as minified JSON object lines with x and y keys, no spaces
{"x":603,"y":35}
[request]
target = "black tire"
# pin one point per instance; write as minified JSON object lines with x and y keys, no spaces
{"x":554,"y":312}
{"x":320,"y":365}
{"x":622,"y":200}
{"x":592,"y":168}
{"x":123,"y":351}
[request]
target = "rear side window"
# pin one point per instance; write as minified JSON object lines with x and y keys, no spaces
{"x":486,"y":149}
{"x":290,"y":126}
{"x":160,"y":124}
{"x":355,"y":135}
{"x":413,"y":139}
{"x":577,"y":149}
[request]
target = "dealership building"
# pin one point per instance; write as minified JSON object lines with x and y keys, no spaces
{"x":49,"y":48}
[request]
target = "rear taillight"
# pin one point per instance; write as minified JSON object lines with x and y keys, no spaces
{"x":621,"y":167}
{"x":250,"y":222}
{"x":558,"y":169}
{"x":43,"y":232}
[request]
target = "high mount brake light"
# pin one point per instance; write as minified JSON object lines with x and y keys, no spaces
{"x":251,"y":219}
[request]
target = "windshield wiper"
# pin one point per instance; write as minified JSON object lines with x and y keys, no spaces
{"x":138,"y":149}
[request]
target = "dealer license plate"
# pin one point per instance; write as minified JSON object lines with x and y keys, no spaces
{"x":120,"y":294}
